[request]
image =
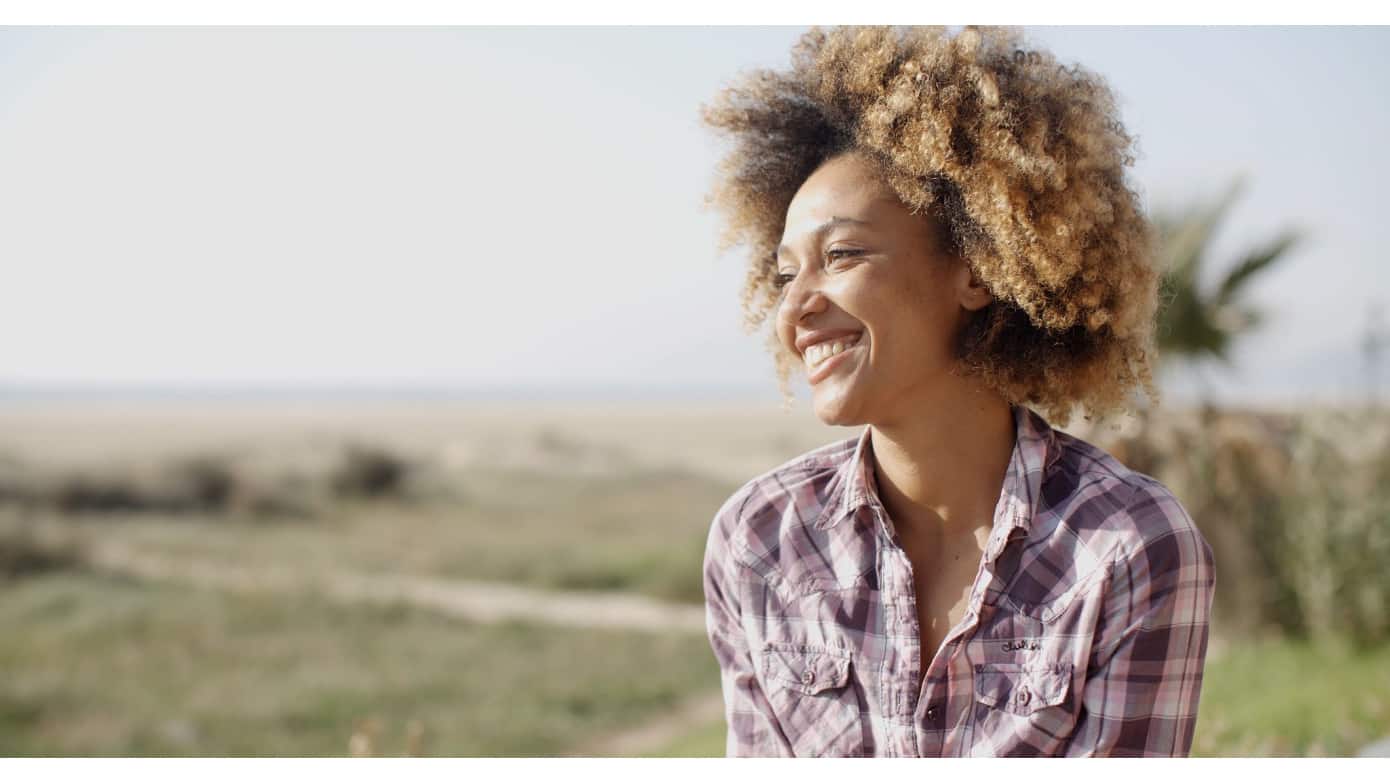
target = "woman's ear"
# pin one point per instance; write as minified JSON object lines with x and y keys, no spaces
{"x":974,"y":294}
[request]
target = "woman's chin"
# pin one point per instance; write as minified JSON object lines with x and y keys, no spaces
{"x":834,"y":408}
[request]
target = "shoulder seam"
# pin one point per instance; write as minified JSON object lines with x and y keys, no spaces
{"x":1093,"y":465}
{"x":801,"y":464}
{"x":1136,"y":487}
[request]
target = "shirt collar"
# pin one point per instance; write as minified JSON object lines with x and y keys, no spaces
{"x":1035,"y":451}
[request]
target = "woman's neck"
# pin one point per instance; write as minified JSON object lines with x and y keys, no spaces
{"x":940,"y":468}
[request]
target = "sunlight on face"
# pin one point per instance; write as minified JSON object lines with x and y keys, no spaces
{"x":870,"y":303}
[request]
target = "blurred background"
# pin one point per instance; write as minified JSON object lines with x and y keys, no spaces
{"x":370,"y":392}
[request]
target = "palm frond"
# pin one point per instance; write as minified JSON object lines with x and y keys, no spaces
{"x":1251,"y":265}
{"x":1184,"y":239}
{"x":1196,"y":322}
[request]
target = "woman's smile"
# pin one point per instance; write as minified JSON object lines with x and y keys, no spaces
{"x":824,"y":357}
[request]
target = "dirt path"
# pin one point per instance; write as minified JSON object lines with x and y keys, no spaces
{"x":477,"y":601}
{"x":697,"y":711}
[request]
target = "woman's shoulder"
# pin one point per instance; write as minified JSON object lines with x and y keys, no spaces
{"x":797,"y":490}
{"x":1099,"y":496}
{"x":815,"y":467}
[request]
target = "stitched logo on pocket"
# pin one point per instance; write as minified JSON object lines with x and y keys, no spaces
{"x":1023,"y":644}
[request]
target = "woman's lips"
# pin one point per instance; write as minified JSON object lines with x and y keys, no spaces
{"x":827,"y":366}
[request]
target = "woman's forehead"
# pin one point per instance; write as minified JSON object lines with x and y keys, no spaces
{"x":840,"y":198}
{"x":846,"y":176}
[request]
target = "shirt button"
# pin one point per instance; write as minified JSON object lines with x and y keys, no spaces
{"x":808,"y":677}
{"x":1022,"y":696}
{"x":932,"y":712}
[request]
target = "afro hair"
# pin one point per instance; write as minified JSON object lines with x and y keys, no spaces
{"x":1019,"y":158}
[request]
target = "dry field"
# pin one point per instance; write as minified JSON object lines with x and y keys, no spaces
{"x":450,"y":578}
{"x":490,"y":580}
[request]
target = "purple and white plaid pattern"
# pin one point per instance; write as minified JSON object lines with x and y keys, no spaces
{"x":1085,"y":635}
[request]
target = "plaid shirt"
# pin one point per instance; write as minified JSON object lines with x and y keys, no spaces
{"x":1085,"y":634}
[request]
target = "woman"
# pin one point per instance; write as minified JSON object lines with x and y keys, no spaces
{"x":941,"y":226}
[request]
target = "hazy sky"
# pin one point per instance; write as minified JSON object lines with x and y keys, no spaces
{"x":522,"y":207}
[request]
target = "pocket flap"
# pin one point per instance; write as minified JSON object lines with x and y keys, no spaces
{"x":1020,"y":688}
{"x":805,"y":668}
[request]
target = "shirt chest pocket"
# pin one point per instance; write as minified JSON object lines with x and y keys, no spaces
{"x":1023,"y":708}
{"x":1022,"y":689}
{"x":816,"y":699}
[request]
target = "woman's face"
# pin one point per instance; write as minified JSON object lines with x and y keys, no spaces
{"x":871,"y":304}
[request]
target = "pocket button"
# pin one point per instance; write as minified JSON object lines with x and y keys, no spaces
{"x":808,"y":677}
{"x":1022,"y":697}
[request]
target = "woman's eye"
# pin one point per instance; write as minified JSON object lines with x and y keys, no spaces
{"x":842,"y":252}
{"x":783,"y":280}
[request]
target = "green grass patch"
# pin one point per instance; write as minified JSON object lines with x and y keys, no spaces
{"x":1285,"y":698}
{"x":97,"y":667}
{"x":706,"y":741}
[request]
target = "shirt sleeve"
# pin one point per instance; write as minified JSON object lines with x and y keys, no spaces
{"x":753,"y":729}
{"x":1145,"y":672}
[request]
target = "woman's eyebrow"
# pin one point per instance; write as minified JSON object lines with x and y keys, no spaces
{"x":826,"y":226}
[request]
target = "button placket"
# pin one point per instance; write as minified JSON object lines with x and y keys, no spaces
{"x":900,"y":679}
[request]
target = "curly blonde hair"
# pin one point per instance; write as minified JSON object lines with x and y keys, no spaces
{"x":1021,"y":161}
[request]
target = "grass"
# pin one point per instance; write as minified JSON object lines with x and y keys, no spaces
{"x":1286,"y":698}
{"x":96,"y":667}
{"x":1265,"y":698}
{"x":101,"y":666}
{"x":642,"y":533}
{"x":705,"y":741}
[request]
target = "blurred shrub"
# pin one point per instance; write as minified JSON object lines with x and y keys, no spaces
{"x":263,"y":485}
{"x":204,"y":483}
{"x":1334,"y":539}
{"x":198,"y":485}
{"x":24,"y":554}
{"x":369,"y":471}
{"x":81,"y":493}
{"x":1296,"y":508}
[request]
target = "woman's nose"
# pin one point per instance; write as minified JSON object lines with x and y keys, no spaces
{"x":802,"y":299}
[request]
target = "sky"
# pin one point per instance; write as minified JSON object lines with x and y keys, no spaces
{"x":504,"y":208}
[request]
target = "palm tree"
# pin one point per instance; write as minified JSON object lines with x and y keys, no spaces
{"x":1197,"y":323}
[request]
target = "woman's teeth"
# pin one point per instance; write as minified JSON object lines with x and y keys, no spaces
{"x":819,"y":352}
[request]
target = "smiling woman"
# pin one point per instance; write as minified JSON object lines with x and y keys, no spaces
{"x":893,"y":287}
{"x":942,"y":228}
